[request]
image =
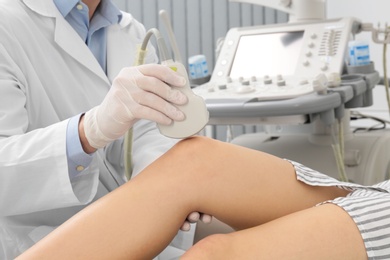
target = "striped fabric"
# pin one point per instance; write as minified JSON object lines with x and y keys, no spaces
{"x":369,"y":207}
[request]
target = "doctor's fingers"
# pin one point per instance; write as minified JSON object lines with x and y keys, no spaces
{"x":132,"y":81}
{"x":163,"y":73}
{"x":161,"y":89}
{"x":152,"y":107}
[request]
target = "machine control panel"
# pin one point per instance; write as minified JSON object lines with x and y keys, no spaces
{"x":256,"y":89}
{"x":278,"y":61}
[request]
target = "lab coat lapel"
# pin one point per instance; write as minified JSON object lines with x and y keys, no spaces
{"x":120,"y":52}
{"x":66,"y":37}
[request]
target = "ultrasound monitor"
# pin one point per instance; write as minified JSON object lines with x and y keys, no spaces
{"x":278,"y":61}
{"x":272,"y":54}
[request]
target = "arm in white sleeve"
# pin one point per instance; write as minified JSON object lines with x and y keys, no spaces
{"x":34,"y":172}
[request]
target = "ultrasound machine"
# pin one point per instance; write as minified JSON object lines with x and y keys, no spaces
{"x":297,"y":83}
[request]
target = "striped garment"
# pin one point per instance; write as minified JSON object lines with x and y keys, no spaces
{"x":369,"y":207}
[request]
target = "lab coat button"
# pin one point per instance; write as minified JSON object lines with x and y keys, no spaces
{"x":80,"y":168}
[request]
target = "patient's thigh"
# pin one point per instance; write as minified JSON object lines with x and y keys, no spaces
{"x":323,"y":232}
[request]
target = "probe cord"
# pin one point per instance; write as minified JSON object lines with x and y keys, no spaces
{"x":140,"y":59}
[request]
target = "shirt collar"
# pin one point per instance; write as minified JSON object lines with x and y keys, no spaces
{"x":65,"y":6}
{"x":108,"y":9}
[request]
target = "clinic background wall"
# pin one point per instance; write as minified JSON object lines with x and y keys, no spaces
{"x":198,"y":24}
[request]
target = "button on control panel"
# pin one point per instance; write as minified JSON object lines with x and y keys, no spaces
{"x":260,"y":88}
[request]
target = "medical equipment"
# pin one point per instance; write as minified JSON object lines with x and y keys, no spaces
{"x":359,"y":53}
{"x":381,"y":36}
{"x":198,"y":66}
{"x":197,"y":115}
{"x":301,"y":54}
{"x":195,"y":110}
{"x":294,"y":81}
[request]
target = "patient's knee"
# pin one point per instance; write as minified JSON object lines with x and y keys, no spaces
{"x":196,"y":142}
{"x":195,"y":147}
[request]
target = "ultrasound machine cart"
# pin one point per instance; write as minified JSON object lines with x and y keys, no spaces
{"x":294,"y":80}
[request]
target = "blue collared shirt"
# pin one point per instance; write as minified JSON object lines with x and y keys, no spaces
{"x":93,"y":32}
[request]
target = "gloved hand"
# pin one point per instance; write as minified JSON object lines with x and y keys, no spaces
{"x":141,"y":92}
{"x":195,"y":217}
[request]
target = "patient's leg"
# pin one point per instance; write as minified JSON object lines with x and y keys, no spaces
{"x":321,"y":233}
{"x":241,"y":187}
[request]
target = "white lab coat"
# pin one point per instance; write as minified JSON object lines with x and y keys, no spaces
{"x":47,"y":75}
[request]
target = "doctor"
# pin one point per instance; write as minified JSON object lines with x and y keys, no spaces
{"x":61,"y":74}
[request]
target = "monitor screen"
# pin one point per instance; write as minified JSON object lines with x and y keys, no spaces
{"x":267,"y":54}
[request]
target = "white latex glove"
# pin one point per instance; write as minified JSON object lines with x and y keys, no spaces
{"x":141,"y":92}
{"x":195,"y":217}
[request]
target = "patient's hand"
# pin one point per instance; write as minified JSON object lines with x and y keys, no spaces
{"x":195,"y":217}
